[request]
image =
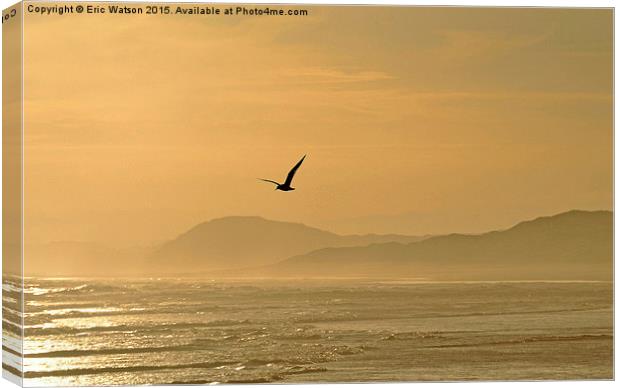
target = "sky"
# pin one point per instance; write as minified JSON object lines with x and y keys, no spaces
{"x":414,"y":120}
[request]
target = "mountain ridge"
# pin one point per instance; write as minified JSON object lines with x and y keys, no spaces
{"x":242,"y":241}
{"x":576,"y":244}
{"x":567,"y":245}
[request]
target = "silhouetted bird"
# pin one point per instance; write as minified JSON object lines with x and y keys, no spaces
{"x":286,"y":186}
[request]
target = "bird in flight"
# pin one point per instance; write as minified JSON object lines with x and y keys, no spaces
{"x":286,"y":186}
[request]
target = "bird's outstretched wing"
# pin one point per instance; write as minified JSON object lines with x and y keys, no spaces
{"x":291,"y":174}
{"x":267,"y":180}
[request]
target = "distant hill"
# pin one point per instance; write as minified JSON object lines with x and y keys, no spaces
{"x":235,"y":242}
{"x":572,"y":245}
{"x":576,"y":245}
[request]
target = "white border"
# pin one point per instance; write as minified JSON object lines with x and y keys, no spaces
{"x":480,"y":3}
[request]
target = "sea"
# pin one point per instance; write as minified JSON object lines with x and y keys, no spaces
{"x":85,"y":331}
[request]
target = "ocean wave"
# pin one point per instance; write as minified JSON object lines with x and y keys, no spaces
{"x":42,"y":330}
{"x":43,"y":316}
{"x":260,"y":362}
{"x":327,"y":318}
{"x":12,"y":351}
{"x":137,"y":368}
{"x":412,"y":335}
{"x":254,"y":380}
{"x":525,"y":340}
{"x":37,"y":291}
{"x":108,"y":351}
{"x":298,"y":370}
{"x":226,"y":322}
{"x":11,"y":327}
{"x":12,"y":370}
{"x":12,"y":286}
{"x":250,"y":380}
{"x":269,"y":378}
{"x":299,"y":336}
{"x":49,"y":329}
{"x":8,"y":310}
{"x":9,"y":299}
{"x":92,"y":309}
{"x":15,"y":296}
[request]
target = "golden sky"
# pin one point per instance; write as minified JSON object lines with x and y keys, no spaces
{"x":419,"y":120}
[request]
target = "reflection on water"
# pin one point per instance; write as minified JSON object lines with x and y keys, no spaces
{"x":157,"y":331}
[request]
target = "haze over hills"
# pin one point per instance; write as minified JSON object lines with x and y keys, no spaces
{"x":235,"y":242}
{"x":78,"y":258}
{"x":576,"y":245}
{"x":572,"y":245}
